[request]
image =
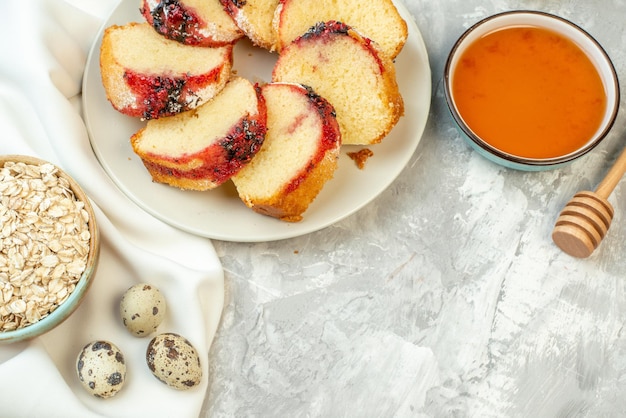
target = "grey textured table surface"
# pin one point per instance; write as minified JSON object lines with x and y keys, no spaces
{"x":445,"y":296}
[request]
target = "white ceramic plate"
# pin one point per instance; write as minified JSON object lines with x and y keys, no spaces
{"x":219,"y":214}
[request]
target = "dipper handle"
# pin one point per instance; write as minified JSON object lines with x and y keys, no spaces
{"x":606,"y":186}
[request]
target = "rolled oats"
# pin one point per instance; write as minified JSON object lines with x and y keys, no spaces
{"x":44,"y":242}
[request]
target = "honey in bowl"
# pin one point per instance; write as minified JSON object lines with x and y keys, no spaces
{"x":529,"y":91}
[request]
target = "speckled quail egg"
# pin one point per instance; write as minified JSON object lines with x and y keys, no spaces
{"x":101,"y":368}
{"x":174,"y":361}
{"x":142,"y":309}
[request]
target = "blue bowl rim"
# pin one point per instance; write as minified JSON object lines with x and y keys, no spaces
{"x":510,"y":159}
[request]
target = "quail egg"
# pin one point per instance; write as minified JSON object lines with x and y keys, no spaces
{"x":174,"y":361}
{"x":142,"y":309}
{"x":101,"y":368}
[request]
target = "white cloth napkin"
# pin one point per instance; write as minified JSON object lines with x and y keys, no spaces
{"x":44,"y":48}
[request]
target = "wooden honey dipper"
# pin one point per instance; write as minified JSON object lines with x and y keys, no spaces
{"x":585,"y":220}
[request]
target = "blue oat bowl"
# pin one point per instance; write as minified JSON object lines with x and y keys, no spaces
{"x":50,"y":247}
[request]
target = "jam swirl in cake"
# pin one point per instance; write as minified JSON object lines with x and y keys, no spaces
{"x":162,"y":96}
{"x":329,"y":136}
{"x":320,"y":28}
{"x":220,"y":160}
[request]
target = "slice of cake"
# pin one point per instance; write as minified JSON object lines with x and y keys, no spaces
{"x":298,"y":157}
{"x":255,"y":19}
{"x":191,"y":22}
{"x":202,"y":148}
{"x":377,"y":20}
{"x":148,"y":76}
{"x":346,"y":69}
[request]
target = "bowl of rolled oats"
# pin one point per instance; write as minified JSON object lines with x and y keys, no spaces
{"x":49,"y":247}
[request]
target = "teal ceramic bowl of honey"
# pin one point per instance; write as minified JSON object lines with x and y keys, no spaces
{"x":530,"y":90}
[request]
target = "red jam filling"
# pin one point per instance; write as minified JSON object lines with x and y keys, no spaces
{"x":226,"y":157}
{"x":223,"y":159}
{"x":330,"y":136}
{"x":159,"y":96}
{"x":330,"y":27}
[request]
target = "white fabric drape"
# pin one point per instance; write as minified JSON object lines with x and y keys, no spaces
{"x":44,"y":48}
